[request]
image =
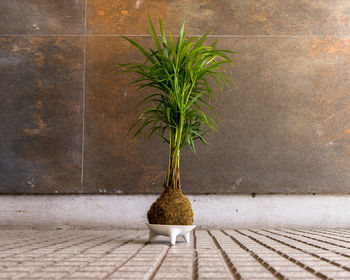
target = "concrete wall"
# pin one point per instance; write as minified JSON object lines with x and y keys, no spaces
{"x":213,"y":211}
{"x":64,"y":114}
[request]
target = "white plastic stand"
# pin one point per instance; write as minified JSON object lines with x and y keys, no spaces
{"x":170,"y":230}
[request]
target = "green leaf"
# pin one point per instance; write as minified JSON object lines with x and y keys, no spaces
{"x":194,"y":99}
{"x":181,"y":75}
{"x":154,"y":33}
{"x":181,"y":35}
{"x":146,"y":54}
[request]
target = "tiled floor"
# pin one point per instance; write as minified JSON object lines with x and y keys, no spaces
{"x":215,"y":254}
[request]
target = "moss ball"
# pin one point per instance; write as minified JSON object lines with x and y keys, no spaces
{"x":171,"y":208}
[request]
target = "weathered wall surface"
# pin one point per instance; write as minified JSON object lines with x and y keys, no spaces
{"x":41,"y":95}
{"x":65,"y":114}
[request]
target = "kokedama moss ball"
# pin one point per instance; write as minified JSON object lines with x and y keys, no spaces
{"x":171,"y":208}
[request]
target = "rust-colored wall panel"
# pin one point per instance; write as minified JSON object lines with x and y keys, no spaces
{"x":221,"y":17}
{"x":285,"y":129}
{"x":42,"y":17}
{"x":113,"y":162}
{"x":41,"y":114}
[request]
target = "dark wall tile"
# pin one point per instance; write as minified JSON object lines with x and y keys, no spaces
{"x":285,"y":129}
{"x":41,"y":83}
{"x":222,"y":17}
{"x":113,"y":162}
{"x":42,"y":17}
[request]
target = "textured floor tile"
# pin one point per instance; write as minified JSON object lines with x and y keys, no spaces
{"x":213,"y":255}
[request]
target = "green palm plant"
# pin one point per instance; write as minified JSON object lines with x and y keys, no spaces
{"x":179,"y":71}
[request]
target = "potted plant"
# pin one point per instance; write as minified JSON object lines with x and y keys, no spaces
{"x":179,"y":71}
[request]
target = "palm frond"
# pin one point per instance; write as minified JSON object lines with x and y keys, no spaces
{"x":179,"y":72}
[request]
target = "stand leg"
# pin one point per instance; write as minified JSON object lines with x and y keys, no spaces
{"x":187,"y":237}
{"x":173,"y":236}
{"x":151,"y":236}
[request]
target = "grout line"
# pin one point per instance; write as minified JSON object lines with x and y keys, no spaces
{"x":333,"y":232}
{"x":303,"y":234}
{"x":209,"y":35}
{"x":159,"y":264}
{"x":235,"y":274}
{"x":54,"y":244}
{"x":195,"y":258}
{"x":50,"y":239}
{"x":83,"y":109}
{"x":345,"y":231}
{"x":284,"y":255}
{"x":320,"y":233}
{"x":102,"y":254}
{"x":226,"y":36}
{"x":39,"y":268}
{"x":337,"y":233}
{"x":122,"y":264}
{"x":263,"y":263}
{"x":316,"y":246}
{"x":86,"y":249}
{"x":175,"y":35}
{"x":43,"y":35}
{"x":299,"y":249}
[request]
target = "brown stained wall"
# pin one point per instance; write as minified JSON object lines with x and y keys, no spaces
{"x":65,"y":114}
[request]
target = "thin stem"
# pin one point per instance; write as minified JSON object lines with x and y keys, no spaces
{"x":173,"y":176}
{"x":180,"y":71}
{"x":169,"y":160}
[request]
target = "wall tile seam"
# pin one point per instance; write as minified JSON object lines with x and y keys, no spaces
{"x":83,"y":105}
{"x":226,"y":35}
{"x":175,"y":35}
{"x":41,"y":35}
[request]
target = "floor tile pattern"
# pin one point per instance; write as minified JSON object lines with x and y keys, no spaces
{"x":212,"y":254}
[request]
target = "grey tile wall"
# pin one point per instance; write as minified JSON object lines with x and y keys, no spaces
{"x":65,"y":113}
{"x":41,"y":95}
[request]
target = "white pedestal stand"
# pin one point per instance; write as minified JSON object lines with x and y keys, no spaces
{"x":169,"y":230}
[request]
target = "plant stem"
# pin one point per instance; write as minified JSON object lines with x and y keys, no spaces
{"x":173,"y":176}
{"x":169,"y":160}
